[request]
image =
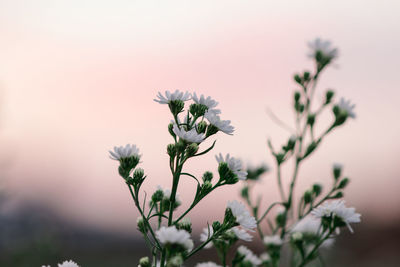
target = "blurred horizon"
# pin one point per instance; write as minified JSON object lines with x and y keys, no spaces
{"x":79,"y":77}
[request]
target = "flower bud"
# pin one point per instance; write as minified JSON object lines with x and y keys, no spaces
{"x":337,"y":195}
{"x":192,"y":149}
{"x":297,"y":78}
{"x":144,"y":262}
{"x":171,"y":150}
{"x":170,"y":130}
{"x":216,"y":226}
{"x":157,"y":196}
{"x":206,"y":188}
{"x":207,"y":177}
{"x":180,"y":146}
{"x":141,"y":225}
{"x":337,"y":170}
{"x":296,"y":96}
{"x":280,"y":218}
{"x":317,"y":189}
{"x":138,"y":174}
{"x":175,"y":261}
{"x":343,"y":183}
{"x":307,"y":197}
{"x":306,"y":76}
{"x":328,"y":96}
{"x":245,"y":192}
{"x":201,"y":127}
{"x":185,"y":224}
{"x":311,"y":119}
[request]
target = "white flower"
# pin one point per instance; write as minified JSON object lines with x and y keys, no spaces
{"x":208,"y":264}
{"x":208,"y":102}
{"x":124,"y":152}
{"x":205,"y":235}
{"x":311,"y":226}
{"x":249,"y":256}
{"x":339,"y":209}
{"x":223,"y":126}
{"x":177,"y":95}
{"x":348,"y":107}
{"x":324,"y":47}
{"x":242,"y":215}
{"x":190,"y":136}
{"x":242,"y":234}
{"x":265,"y":257}
{"x":68,"y":264}
{"x":171,"y":235}
{"x":274,"y":240}
{"x":235,"y":165}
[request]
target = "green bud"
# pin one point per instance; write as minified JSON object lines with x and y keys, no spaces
{"x":144,"y":262}
{"x":297,"y":96}
{"x":176,"y":106}
{"x":328,"y":96}
{"x":180,"y":146}
{"x":311,"y":119}
{"x":343,"y":183}
{"x":306,"y":76}
{"x":171,"y":150}
{"x":207,"y":176}
{"x":340,"y":115}
{"x":280,"y":158}
{"x":141,"y":224}
{"x":216,"y":226}
{"x":337,"y":195}
{"x":280,"y":218}
{"x":310,"y":149}
{"x":175,"y":261}
{"x":206,"y":188}
{"x":138,"y":174}
{"x":157,"y":196}
{"x":201,"y":127}
{"x":171,"y":129}
{"x":308,"y":197}
{"x":337,"y":171}
{"x":192,"y":149}
{"x":245,"y":192}
{"x":317,"y":189}
{"x":301,"y":108}
{"x":185,"y":224}
{"x":298,"y":79}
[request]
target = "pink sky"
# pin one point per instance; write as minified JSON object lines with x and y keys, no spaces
{"x":78,"y":77}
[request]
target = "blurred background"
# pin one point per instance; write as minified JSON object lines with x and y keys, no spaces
{"x":79,"y":77}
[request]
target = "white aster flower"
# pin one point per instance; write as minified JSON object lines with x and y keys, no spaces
{"x":124,"y":152}
{"x":205,"y":235}
{"x":274,"y":240}
{"x":208,"y":264}
{"x":242,"y":215}
{"x":202,"y":100}
{"x":324,"y":47}
{"x":242,"y":234}
{"x":339,"y":209}
{"x":171,"y":235}
{"x":223,"y":126}
{"x":311,"y":226}
{"x":190,"y":136}
{"x":348,"y":107}
{"x":265,"y":257}
{"x":177,"y":95}
{"x":235,"y":165}
{"x":68,"y":264}
{"x":249,"y":256}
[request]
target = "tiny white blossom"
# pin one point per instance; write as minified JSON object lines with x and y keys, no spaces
{"x":124,"y":152}
{"x":205,"y":235}
{"x":222,"y":125}
{"x":274,"y":240}
{"x":249,"y":256}
{"x":339,"y":209}
{"x":312,"y":226}
{"x":242,"y":215}
{"x":208,"y":264}
{"x":177,"y":95}
{"x":202,"y":100}
{"x":265,"y":257}
{"x":190,"y":136}
{"x":348,"y":107}
{"x":324,"y":47}
{"x":68,"y":264}
{"x":171,"y":235}
{"x":242,"y":234}
{"x":235,"y":165}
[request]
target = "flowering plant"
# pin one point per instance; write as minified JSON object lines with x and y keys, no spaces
{"x":167,"y":234}
{"x":312,"y":221}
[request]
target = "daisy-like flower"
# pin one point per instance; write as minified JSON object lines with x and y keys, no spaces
{"x":324,"y":47}
{"x":337,"y":208}
{"x":242,"y":234}
{"x":223,"y":126}
{"x":249,"y":256}
{"x":311,"y":226}
{"x":208,"y":264}
{"x":274,"y":240}
{"x":68,"y":264}
{"x":202,"y":100}
{"x":189,"y":136}
{"x":348,"y":107}
{"x":205,"y":235}
{"x":235,"y":165}
{"x":177,"y":95}
{"x":242,"y":215}
{"x":171,"y":235}
{"x":124,"y":152}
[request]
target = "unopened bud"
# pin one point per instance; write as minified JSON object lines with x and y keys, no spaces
{"x":297,"y":79}
{"x":207,"y":177}
{"x":144,"y":262}
{"x":343,"y":183}
{"x":296,"y":96}
{"x":141,"y":225}
{"x":307,"y":197}
{"x":337,"y":170}
{"x":192,"y":149}
{"x":171,"y":150}
{"x":317,"y":189}
{"x":328,"y":96}
{"x":201,"y":127}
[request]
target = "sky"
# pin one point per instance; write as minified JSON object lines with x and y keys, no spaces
{"x":79,"y":77}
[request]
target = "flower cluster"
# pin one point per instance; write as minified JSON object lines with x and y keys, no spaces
{"x":69,"y":263}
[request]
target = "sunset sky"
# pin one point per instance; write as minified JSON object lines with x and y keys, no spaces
{"x":78,"y":77}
